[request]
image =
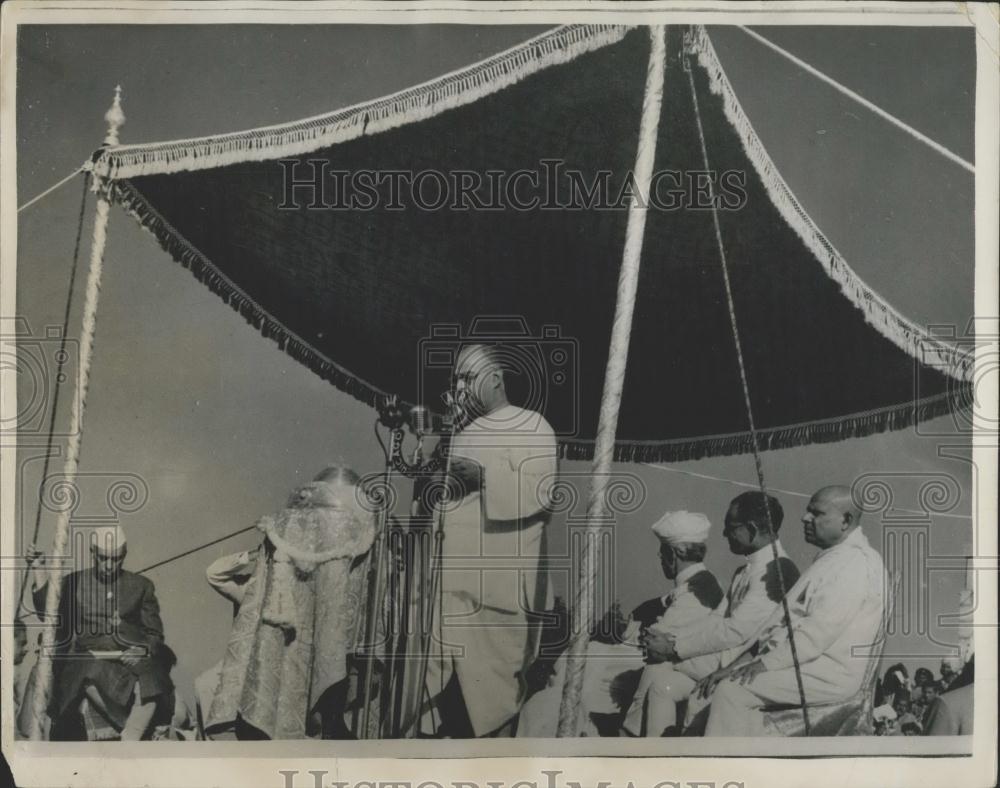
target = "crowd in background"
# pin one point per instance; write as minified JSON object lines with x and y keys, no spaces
{"x":910,"y":706}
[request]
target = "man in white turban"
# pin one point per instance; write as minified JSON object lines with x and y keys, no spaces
{"x":612,"y":667}
{"x":695,"y":595}
{"x":682,"y":657}
{"x":109,"y":641}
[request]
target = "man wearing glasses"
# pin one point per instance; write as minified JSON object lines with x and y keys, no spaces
{"x":835,"y":607}
{"x":502,"y":468}
{"x":681,"y":657}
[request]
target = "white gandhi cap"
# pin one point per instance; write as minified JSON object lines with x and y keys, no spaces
{"x":682,"y":527}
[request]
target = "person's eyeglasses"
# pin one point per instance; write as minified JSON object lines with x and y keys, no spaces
{"x":463,"y":377}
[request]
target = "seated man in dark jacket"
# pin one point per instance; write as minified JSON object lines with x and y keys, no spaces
{"x":109,"y":643}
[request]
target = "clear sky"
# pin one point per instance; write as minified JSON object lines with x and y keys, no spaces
{"x":220,"y":424}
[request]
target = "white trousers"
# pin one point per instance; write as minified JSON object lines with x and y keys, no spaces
{"x":661,"y":688}
{"x":736,"y":709}
{"x":654,"y":707}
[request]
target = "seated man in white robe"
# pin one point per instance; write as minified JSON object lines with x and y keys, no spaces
{"x":679,"y":658}
{"x":835,"y":610}
{"x":696,"y":593}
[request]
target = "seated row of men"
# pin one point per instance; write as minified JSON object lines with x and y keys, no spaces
{"x":697,"y":643}
{"x":710,"y":659}
{"x":716,"y":661}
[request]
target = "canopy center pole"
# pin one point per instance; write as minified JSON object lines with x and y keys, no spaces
{"x":60,"y":541}
{"x":614,"y":381}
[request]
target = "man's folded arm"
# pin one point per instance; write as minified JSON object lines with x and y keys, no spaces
{"x":718,"y":633}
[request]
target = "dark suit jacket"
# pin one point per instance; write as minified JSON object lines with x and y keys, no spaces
{"x":107,"y":616}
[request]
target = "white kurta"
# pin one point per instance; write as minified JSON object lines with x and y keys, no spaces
{"x":492,"y":572}
{"x":612,"y":671}
{"x":713,"y":641}
{"x":686,"y":607}
{"x":836,"y":609}
{"x":716,"y":640}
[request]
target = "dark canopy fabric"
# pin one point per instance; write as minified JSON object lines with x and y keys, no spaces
{"x":373,"y":299}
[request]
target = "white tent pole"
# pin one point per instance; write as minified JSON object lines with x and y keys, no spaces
{"x":614,"y":381}
{"x":60,"y":542}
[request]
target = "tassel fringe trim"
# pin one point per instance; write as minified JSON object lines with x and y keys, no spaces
{"x":560,"y":45}
{"x":953,"y":361}
{"x":456,"y":89}
{"x":957,"y":401}
{"x":175,"y":245}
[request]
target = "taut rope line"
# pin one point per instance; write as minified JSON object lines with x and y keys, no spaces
{"x":57,"y":387}
{"x":53,"y":187}
{"x":936,"y":146}
{"x":746,"y":397}
{"x":60,"y":542}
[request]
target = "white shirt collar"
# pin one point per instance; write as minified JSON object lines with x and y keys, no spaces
{"x":761,"y":557}
{"x":688,"y":572}
{"x":855,"y":538}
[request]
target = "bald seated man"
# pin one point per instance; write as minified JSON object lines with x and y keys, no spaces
{"x":835,"y":608}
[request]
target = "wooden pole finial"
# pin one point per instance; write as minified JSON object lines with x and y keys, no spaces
{"x":115,"y":118}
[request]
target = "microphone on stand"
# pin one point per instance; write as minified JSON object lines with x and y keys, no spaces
{"x":420,"y":420}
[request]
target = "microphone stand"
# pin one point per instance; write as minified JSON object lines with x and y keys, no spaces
{"x":374,"y":604}
{"x":435,"y":571}
{"x":385,"y":555}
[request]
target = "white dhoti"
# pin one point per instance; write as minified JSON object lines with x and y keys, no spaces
{"x":835,"y":606}
{"x":737,"y":710}
{"x":488,"y":650}
{"x":654,"y":708}
{"x":493,"y":573}
{"x":661,"y":688}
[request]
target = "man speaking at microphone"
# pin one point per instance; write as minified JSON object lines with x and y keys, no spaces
{"x":502,"y":468}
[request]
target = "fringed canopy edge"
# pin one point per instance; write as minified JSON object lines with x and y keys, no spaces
{"x":906,"y":335}
{"x":957,"y":399}
{"x":185,"y":253}
{"x":413,"y":104}
{"x":488,"y":76}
